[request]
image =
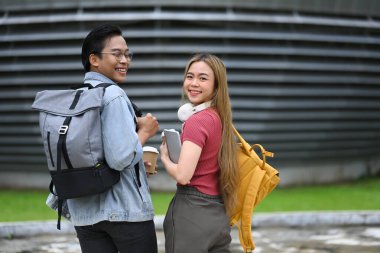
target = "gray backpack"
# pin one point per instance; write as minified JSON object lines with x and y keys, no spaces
{"x":70,"y":126}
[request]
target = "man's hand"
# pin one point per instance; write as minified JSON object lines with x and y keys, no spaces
{"x":148,"y":127}
{"x":148,"y":164}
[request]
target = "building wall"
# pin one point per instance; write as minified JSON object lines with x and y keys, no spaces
{"x":304,"y":75}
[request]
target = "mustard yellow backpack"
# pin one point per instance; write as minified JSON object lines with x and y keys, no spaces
{"x":257,"y":180}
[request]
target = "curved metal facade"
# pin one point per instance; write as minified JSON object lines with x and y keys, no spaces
{"x":304,"y":79}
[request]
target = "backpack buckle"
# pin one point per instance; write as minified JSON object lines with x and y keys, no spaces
{"x":63,"y":129}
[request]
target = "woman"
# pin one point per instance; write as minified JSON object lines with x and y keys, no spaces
{"x":206,"y":174}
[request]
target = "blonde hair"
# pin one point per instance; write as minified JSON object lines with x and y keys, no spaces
{"x":228,"y":178}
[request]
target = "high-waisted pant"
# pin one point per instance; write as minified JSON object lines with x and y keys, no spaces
{"x":196,"y":223}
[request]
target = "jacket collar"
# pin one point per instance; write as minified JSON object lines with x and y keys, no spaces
{"x":95,"y":78}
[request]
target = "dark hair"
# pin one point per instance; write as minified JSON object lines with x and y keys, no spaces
{"x":95,"y":42}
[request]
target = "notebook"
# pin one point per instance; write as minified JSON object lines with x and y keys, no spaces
{"x":174,"y":144}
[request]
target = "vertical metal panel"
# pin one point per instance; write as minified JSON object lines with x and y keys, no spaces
{"x":304,"y":82}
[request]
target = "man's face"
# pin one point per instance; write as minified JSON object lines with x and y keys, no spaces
{"x":111,"y":62}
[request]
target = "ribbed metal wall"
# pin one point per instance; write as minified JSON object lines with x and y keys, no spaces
{"x":304,"y":79}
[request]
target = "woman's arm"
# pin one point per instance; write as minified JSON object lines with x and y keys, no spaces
{"x":188,"y":160}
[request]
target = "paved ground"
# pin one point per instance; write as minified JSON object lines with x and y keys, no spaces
{"x":270,"y":240}
{"x":288,"y":233}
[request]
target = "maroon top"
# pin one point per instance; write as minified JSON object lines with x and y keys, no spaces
{"x":205,"y":130}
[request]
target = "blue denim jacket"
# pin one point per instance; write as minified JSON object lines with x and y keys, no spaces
{"x":125,"y":201}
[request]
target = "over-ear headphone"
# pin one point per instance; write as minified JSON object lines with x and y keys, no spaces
{"x":188,"y":109}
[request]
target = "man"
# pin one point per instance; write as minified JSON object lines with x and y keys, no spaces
{"x":120,"y":219}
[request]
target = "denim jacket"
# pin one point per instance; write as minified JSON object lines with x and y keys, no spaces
{"x":125,"y":201}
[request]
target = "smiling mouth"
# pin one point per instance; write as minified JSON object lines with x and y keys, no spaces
{"x":194,"y":92}
{"x":122,"y":70}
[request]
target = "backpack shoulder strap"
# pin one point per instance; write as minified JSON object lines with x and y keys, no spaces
{"x":102,"y":85}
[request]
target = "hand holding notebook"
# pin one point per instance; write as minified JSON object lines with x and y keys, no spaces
{"x":173,"y":143}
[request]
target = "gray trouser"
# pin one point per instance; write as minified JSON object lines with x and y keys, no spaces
{"x":196,"y":223}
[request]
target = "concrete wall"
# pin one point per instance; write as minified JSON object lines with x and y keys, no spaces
{"x":304,"y":75}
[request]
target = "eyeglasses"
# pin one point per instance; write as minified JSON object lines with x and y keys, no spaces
{"x":119,"y":55}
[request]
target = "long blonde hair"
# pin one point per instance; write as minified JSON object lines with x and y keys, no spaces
{"x":228,"y":178}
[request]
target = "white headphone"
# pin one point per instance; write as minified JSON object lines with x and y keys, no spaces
{"x":188,"y":109}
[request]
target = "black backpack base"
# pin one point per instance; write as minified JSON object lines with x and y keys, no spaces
{"x":82,"y":182}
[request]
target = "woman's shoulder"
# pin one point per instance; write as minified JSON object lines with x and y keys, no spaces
{"x":209,"y":113}
{"x":205,"y":117}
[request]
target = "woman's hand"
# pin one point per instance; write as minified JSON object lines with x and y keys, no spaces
{"x":184,"y":170}
{"x":164,"y":153}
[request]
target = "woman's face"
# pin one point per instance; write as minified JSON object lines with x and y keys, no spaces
{"x":199,"y":83}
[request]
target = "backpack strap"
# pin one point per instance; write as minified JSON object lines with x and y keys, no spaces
{"x":60,"y":204}
{"x":264,"y":153}
{"x":61,"y":145}
{"x":62,"y":150}
{"x":137,"y":110}
{"x":138,"y":113}
{"x":102,"y":85}
{"x":248,"y":148}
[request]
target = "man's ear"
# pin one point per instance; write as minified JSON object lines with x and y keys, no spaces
{"x":94,"y":60}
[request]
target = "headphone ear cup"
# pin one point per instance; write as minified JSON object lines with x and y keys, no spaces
{"x":185,"y":111}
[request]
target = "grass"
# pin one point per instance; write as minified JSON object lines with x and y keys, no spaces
{"x":21,"y":205}
{"x":359,"y":195}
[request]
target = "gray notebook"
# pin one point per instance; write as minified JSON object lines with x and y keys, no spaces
{"x":174,"y":144}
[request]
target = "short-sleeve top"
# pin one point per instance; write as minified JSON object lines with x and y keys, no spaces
{"x":205,"y":130}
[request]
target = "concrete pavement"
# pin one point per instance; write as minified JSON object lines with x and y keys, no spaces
{"x":301,"y":232}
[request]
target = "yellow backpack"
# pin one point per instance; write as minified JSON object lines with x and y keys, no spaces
{"x":257,"y":180}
